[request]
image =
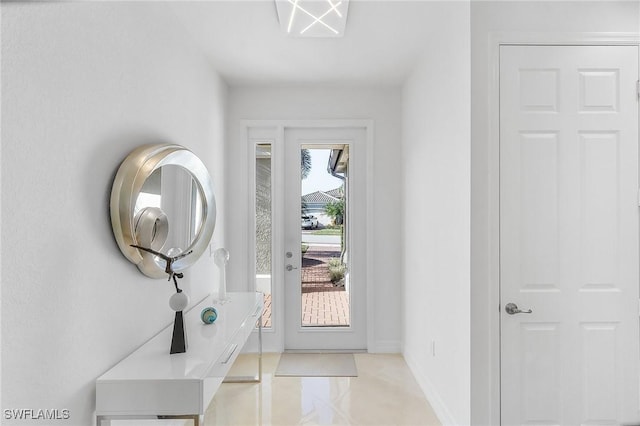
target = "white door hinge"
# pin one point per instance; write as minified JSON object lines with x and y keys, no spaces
{"x":638,"y":89}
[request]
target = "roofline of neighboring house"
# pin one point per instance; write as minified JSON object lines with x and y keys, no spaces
{"x":307,"y":197}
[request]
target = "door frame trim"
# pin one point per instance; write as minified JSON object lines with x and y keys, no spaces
{"x":274,"y":338}
{"x":496,"y":40}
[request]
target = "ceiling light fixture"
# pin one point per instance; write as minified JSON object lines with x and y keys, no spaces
{"x":312,"y":18}
{"x":335,"y":7}
{"x":293,"y":14}
{"x":319,"y":18}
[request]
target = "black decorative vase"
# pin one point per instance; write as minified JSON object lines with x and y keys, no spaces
{"x":179,"y":339}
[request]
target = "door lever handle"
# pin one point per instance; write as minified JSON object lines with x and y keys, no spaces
{"x":512,"y":309}
{"x":290,"y":267}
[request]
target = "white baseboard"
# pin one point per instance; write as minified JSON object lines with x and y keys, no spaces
{"x":378,"y":347}
{"x":439,"y":407}
{"x":386,"y":347}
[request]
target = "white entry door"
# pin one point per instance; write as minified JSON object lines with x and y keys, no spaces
{"x":569,"y":235}
{"x":321,"y":314}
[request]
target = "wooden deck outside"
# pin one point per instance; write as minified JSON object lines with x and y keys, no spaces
{"x":324,"y":304}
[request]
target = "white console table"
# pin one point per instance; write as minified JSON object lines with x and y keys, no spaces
{"x":151,"y":383}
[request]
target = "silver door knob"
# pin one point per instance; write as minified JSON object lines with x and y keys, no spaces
{"x":513,"y":309}
{"x":290,"y":267}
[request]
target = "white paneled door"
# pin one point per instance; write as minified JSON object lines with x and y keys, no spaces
{"x":569,"y":235}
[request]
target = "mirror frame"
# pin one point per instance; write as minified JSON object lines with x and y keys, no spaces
{"x":131,"y":176}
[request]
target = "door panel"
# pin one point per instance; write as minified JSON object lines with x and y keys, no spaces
{"x":335,"y":334}
{"x":569,"y":234}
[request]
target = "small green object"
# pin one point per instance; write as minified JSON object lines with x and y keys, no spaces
{"x":209,"y":315}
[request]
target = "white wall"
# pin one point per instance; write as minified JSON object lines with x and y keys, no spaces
{"x":551,"y":19}
{"x":82,"y":85}
{"x":382,"y":105}
{"x":436,"y":174}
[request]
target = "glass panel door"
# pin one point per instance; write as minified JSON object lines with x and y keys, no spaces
{"x":324,"y":288}
{"x":324,"y":250}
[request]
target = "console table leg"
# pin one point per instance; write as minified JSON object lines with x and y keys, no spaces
{"x":260,"y":349}
{"x":249,"y":379}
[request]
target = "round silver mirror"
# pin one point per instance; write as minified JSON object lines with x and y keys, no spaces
{"x":162,"y":199}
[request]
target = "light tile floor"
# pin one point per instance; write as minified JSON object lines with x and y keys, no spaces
{"x":385,"y":393}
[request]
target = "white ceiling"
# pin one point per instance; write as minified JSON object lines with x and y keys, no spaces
{"x":382,"y":42}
